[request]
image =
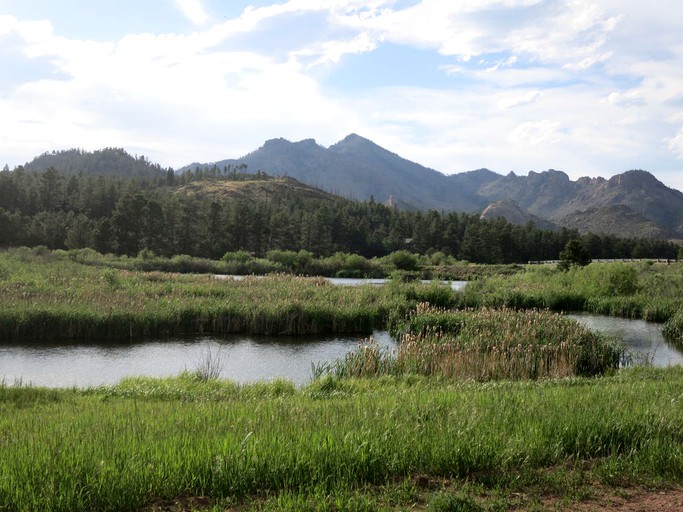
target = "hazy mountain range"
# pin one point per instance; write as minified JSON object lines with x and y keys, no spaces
{"x":633,"y":203}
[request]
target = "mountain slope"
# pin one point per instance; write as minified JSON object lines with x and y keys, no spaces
{"x":618,"y":220}
{"x":357,"y":168}
{"x":511,"y":211}
{"x":639,"y":190}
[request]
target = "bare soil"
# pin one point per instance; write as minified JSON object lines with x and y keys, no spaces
{"x":628,"y":500}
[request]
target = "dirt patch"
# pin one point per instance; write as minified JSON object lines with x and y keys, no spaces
{"x":627,"y":500}
{"x":181,"y":503}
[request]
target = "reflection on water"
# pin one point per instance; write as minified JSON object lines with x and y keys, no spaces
{"x":346,"y":281}
{"x":644,"y":340}
{"x":252,"y":358}
{"x":244,"y":359}
{"x":351,"y":281}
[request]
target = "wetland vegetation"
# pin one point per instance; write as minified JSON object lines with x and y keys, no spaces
{"x":491,"y":402}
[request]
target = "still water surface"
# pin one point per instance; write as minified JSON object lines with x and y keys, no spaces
{"x":644,"y":340}
{"x":250,"y":358}
{"x":243,"y":358}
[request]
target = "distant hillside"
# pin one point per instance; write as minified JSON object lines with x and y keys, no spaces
{"x":358,"y":168}
{"x":618,"y":220}
{"x":255,"y":188}
{"x":638,"y":190}
{"x":511,"y":211}
{"x":103,"y":162}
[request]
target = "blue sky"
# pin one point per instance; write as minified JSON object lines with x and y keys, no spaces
{"x":593,"y":88}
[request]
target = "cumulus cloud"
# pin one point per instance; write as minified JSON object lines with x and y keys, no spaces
{"x":626,"y":99}
{"x":536,"y":133}
{"x":193,"y":10}
{"x":590,"y":86}
{"x":519,"y":100}
{"x":675,"y":144}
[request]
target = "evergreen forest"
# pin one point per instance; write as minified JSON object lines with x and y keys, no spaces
{"x":152,"y":209}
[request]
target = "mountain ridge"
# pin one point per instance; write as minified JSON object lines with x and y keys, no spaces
{"x":357,"y":168}
{"x":633,"y":202}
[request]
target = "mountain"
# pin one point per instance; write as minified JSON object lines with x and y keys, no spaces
{"x":358,"y":168}
{"x":637,"y":189}
{"x":619,"y":220}
{"x":633,"y":203}
{"x":511,"y":211}
{"x":538,"y":193}
{"x":103,"y":162}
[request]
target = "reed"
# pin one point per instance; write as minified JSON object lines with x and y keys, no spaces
{"x":61,"y":299}
{"x":645,"y":290}
{"x":485,"y":344}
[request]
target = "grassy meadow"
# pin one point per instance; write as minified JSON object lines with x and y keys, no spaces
{"x":492,"y":402}
{"x":387,"y":443}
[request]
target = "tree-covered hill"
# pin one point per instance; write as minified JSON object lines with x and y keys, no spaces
{"x":103,"y":162}
{"x":254,"y":187}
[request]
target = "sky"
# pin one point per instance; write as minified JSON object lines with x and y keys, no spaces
{"x":592,"y":88}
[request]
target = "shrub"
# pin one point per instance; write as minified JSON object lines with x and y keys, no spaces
{"x":404,"y":260}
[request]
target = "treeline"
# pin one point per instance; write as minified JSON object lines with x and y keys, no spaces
{"x":127,"y":215}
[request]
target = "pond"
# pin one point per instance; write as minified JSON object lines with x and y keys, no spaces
{"x":644,"y":340}
{"x":243,"y":359}
{"x":351,"y":281}
{"x":251,"y":358}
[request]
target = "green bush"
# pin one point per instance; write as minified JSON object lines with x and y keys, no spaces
{"x":404,"y":260}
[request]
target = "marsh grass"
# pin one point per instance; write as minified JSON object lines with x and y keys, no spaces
{"x":210,"y":364}
{"x":643,"y":290}
{"x":52,"y":298}
{"x":484,"y":344}
{"x":138,"y":443}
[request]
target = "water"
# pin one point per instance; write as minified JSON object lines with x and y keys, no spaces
{"x":346,"y":281}
{"x":252,"y":358}
{"x":244,"y":359}
{"x":644,"y":340}
{"x":350,"y":281}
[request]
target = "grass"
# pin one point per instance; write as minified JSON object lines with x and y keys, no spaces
{"x":404,"y":431}
{"x":644,"y":290}
{"x":48,"y":297}
{"x":484,"y":344}
{"x":345,"y":444}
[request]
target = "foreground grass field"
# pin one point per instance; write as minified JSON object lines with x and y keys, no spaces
{"x":339,"y":444}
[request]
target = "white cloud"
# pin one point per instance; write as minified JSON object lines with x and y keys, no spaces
{"x":626,"y":99}
{"x":510,"y":101}
{"x":675,"y":144}
{"x":585,"y":86}
{"x":193,"y":10}
{"x":536,"y":133}
{"x":331,"y":52}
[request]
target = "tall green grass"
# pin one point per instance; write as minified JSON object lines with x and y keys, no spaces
{"x":484,"y":344}
{"x":125,"y":447}
{"x":644,"y":290}
{"x":52,"y":298}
